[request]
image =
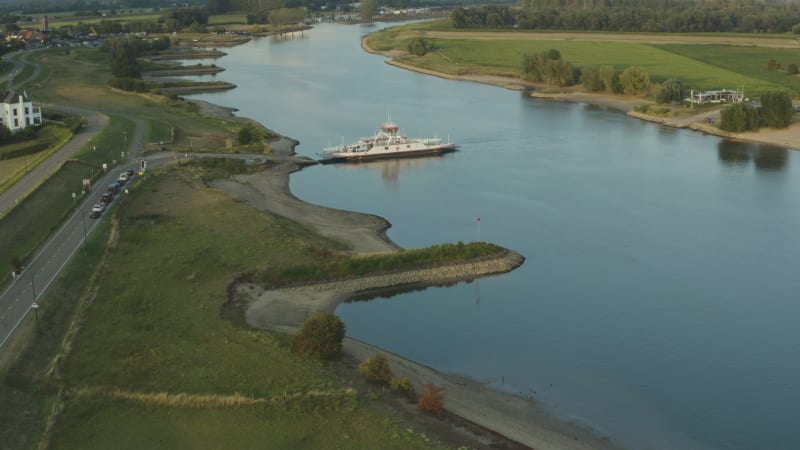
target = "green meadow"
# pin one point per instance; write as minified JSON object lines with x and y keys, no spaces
{"x":155,"y":364}
{"x":697,"y":66}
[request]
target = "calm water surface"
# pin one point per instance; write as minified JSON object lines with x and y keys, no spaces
{"x":658,"y":302}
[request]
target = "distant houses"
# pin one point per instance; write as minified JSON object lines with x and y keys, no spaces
{"x":721,"y":96}
{"x":18,"y":113}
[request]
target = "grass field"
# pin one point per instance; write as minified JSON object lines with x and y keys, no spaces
{"x":25,"y":393}
{"x":50,"y":138}
{"x":698,"y":66}
{"x":64,"y":21}
{"x":155,"y":326}
{"x":227,"y":19}
{"x":29,"y":224}
{"x":79,"y":79}
{"x":158,"y":131}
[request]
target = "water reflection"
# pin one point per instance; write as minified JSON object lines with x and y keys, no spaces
{"x":766,"y":157}
{"x":390,"y":168}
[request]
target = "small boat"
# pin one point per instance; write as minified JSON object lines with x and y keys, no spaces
{"x":387,"y":143}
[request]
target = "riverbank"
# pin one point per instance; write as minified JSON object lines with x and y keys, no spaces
{"x":788,"y":137}
{"x":516,"y":419}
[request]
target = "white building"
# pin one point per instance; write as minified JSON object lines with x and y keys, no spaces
{"x":17,"y":112}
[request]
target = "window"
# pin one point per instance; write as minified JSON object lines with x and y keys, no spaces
{"x":15,"y":111}
{"x":27,"y":111}
{"x":16,"y":123}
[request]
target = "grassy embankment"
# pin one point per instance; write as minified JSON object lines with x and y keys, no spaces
{"x":729,"y":67}
{"x":77,"y":79}
{"x":47,"y":141}
{"x":29,"y":224}
{"x":153,"y":364}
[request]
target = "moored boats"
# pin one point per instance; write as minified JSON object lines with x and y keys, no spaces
{"x":387,"y":143}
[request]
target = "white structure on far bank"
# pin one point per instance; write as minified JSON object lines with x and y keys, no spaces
{"x":17,"y":112}
{"x":721,"y":96}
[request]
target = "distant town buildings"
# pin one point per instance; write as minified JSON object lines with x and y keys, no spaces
{"x":17,"y":112}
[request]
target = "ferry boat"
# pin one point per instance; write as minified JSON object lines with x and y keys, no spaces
{"x":387,"y":143}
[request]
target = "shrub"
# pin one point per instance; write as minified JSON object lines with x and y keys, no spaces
{"x":246,"y":135}
{"x":793,"y":69}
{"x":320,"y":337}
{"x":738,"y":118}
{"x":402,"y":386}
{"x":671,"y":91}
{"x":776,"y":110}
{"x":375,"y":369}
{"x":432,"y":400}
{"x":591,"y":79}
{"x":634,"y":80}
{"x":419,"y":46}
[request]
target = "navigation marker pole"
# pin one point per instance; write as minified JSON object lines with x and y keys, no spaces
{"x":478,"y":232}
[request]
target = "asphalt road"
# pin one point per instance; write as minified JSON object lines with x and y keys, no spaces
{"x":35,"y":177}
{"x":17,"y":301}
{"x":44,"y":268}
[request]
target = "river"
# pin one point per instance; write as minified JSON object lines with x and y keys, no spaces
{"x":658,"y":303}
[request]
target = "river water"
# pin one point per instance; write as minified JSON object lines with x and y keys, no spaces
{"x":658,"y":302}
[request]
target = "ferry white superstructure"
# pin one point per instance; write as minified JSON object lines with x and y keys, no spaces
{"x":387,"y":143}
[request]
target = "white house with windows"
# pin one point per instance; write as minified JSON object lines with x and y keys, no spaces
{"x":17,"y":112}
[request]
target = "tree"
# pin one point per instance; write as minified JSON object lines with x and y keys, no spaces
{"x":432,"y":400}
{"x":634,"y":80}
{"x":419,"y":46}
{"x":123,"y":53}
{"x":548,"y":66}
{"x":738,"y":118}
{"x":376,"y":369}
{"x":610,"y":79}
{"x":245,"y":135}
{"x":368,"y":9}
{"x":776,"y":110}
{"x":792,"y":69}
{"x":671,"y":91}
{"x":320,"y":337}
{"x":591,"y":79}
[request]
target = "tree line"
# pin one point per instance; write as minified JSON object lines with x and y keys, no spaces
{"x":675,"y":16}
{"x":775,"y":109}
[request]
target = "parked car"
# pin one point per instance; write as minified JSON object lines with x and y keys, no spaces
{"x":130,"y":173}
{"x":113,"y":188}
{"x":123,"y":177}
{"x":94,"y":215}
{"x":107,"y":198}
{"x":99,"y":207}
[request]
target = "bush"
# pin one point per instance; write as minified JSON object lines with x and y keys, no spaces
{"x":419,"y":46}
{"x":739,"y":117}
{"x":246,"y":135}
{"x":432,"y":400}
{"x":376,"y":370}
{"x":793,"y":69}
{"x":320,"y":337}
{"x":776,"y":110}
{"x":671,"y":91}
{"x":402,"y":386}
{"x":634,"y":80}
